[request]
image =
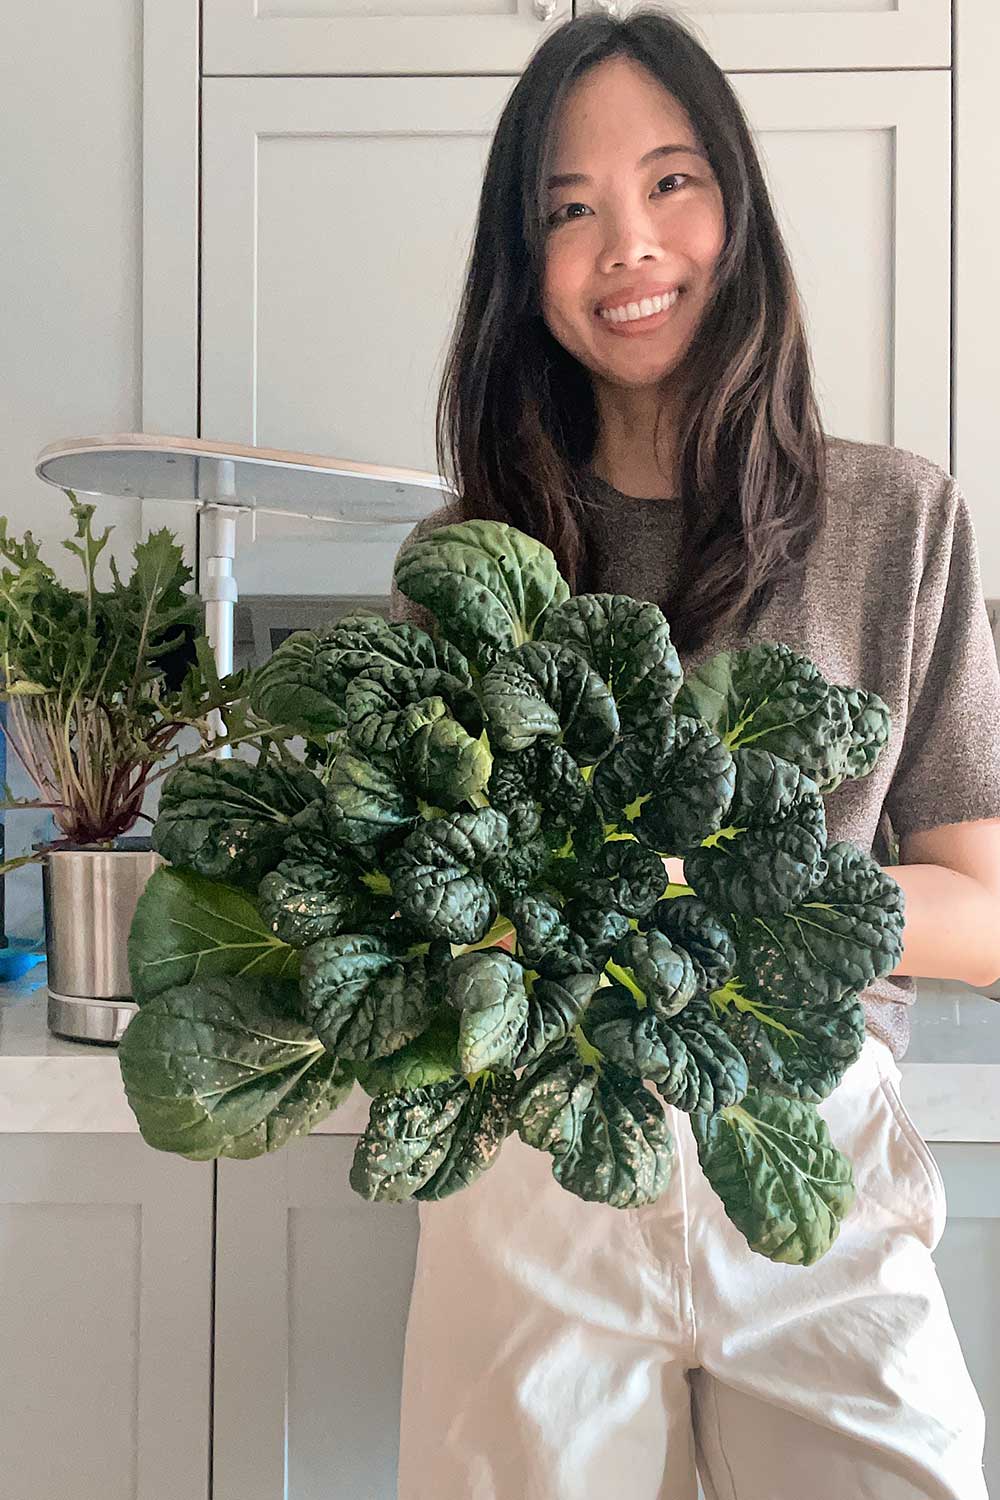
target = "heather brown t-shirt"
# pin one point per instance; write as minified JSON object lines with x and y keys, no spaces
{"x":892,"y":601}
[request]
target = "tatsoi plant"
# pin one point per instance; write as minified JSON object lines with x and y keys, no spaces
{"x":520,"y":778}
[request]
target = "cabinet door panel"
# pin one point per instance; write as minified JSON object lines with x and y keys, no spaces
{"x":968,"y":1263}
{"x":313,"y":1288}
{"x":487,"y":36}
{"x":337,"y":218}
{"x":105,"y":1319}
{"x":357,"y":36}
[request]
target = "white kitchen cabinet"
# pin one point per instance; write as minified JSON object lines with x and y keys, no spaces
{"x":490,"y":36}
{"x":312,"y":1293}
{"x":120,"y":1341}
{"x":105,"y":1318}
{"x":398,"y":36}
{"x":968,"y":1263}
{"x":338,"y":214}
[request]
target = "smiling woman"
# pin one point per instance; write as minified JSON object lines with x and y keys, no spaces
{"x":673,"y":452}
{"x":620,"y":234}
{"x":622,"y":170}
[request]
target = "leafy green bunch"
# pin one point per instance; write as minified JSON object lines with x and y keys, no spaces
{"x":520,"y":778}
{"x":100,"y":683}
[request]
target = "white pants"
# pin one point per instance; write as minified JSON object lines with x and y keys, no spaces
{"x":564,"y":1350}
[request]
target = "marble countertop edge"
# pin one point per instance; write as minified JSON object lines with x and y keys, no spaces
{"x":79,"y":1095}
{"x":51,"y":1084}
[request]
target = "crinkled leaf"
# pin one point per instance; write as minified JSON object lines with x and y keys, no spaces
{"x":305,"y":900}
{"x":362,"y":999}
{"x":380,"y":703}
{"x":436,"y":875}
{"x":429,"y":1058}
{"x":772,"y":852}
{"x":606,"y":1133}
{"x":778,"y":700}
{"x":299,"y":686}
{"x":627,"y":643}
{"x":555,"y":1006}
{"x":655,"y":972}
{"x":574,"y":939}
{"x":691,"y":924}
{"x":487,"y":584}
{"x":228,"y":820}
{"x":686,"y":791}
{"x":625,"y":877}
{"x":368,"y":803}
{"x":871,"y":729}
{"x":519,"y":869}
{"x":542,"y":690}
{"x":792,"y":1006}
{"x":444,"y":764}
{"x":429,"y":1142}
{"x":487,"y":989}
{"x":692,"y":1061}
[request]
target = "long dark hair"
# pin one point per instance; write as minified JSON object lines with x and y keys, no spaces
{"x":516,"y":415}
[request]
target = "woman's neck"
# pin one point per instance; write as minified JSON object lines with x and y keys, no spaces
{"x":626,"y":455}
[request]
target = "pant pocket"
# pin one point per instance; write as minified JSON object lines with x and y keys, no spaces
{"x":920,"y":1153}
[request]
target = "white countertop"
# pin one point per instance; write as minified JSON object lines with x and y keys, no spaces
{"x":950,"y":1084}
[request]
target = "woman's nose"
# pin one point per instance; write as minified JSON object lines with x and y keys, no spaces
{"x":630,"y":239}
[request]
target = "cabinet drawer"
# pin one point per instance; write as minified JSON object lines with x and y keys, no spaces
{"x":491,"y":36}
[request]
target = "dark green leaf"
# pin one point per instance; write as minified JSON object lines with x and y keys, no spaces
{"x":223,"y":1067}
{"x":606,"y":1133}
{"x":362,"y":999}
{"x":487,"y":583}
{"x":436,"y":874}
{"x":782,"y":1181}
{"x":228,"y":819}
{"x":487,"y":989}
{"x":549,"y":691}
{"x":186,"y":928}
{"x":430,"y":1142}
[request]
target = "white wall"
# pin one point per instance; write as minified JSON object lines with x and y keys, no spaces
{"x":70,"y":201}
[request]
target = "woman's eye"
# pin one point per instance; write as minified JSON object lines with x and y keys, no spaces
{"x":553,"y":218}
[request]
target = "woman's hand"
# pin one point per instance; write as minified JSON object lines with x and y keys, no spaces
{"x":674,"y":869}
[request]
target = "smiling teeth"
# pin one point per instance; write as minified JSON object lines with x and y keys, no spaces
{"x":630,"y":312}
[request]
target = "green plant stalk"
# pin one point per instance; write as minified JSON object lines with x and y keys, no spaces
{"x":106,"y":788}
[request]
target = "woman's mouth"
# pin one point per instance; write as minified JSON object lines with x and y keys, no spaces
{"x":630,"y":319}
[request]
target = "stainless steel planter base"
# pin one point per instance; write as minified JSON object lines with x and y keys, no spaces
{"x":86,"y":1020}
{"x":90,"y":895}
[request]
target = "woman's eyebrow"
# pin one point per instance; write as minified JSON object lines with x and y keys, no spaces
{"x":576,"y":179}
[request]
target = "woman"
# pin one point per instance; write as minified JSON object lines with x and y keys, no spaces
{"x":629,"y":382}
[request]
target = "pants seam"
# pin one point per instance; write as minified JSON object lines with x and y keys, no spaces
{"x":687,"y":1277}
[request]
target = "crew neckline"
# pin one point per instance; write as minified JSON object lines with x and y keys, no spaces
{"x":609,"y":489}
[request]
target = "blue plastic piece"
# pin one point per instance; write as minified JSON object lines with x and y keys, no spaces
{"x":19,"y":955}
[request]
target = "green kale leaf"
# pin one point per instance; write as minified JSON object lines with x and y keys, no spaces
{"x":429,"y":1142}
{"x":487,"y":583}
{"x":228,"y":820}
{"x":781,"y":1180}
{"x":225,"y":1067}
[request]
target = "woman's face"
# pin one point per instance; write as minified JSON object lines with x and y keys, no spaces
{"x":628,"y":228}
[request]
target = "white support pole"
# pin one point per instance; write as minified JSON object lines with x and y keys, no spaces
{"x":219,"y":588}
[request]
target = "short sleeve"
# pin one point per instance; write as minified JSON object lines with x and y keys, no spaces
{"x":949,"y":764}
